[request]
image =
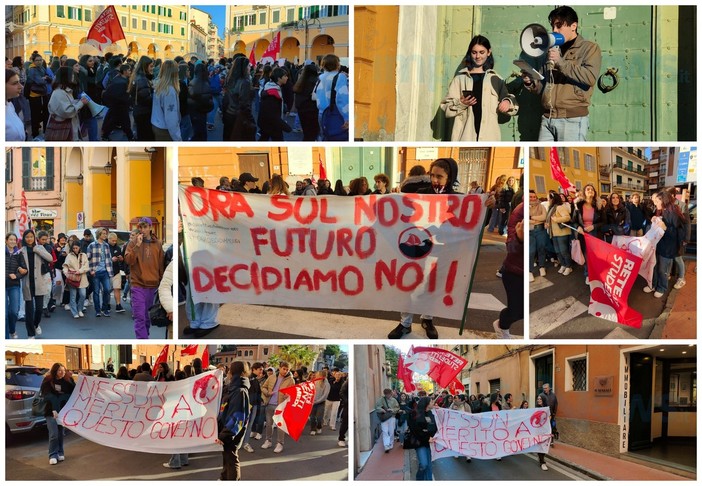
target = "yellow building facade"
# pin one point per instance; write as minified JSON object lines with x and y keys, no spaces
{"x":306,"y":32}
{"x":580,"y":165}
{"x":55,"y":30}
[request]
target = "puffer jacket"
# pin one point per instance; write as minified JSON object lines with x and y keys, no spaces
{"x":199,"y":92}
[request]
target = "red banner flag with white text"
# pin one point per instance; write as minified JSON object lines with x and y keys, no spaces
{"x":273,"y":49}
{"x":189,"y":350}
{"x":106,"y":30}
{"x":456,"y":387}
{"x":440,"y":365}
{"x":644,"y":247}
{"x":205,"y":358}
{"x":557,"y":172}
{"x":291,"y":416}
{"x":162,"y":358}
{"x":612,"y":272}
{"x":404,"y":375}
{"x":23,"y":221}
{"x":396,"y":252}
{"x":252,"y":56}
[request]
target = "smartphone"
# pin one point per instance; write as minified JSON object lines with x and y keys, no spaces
{"x":467,"y":93}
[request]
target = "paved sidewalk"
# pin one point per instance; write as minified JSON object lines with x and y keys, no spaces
{"x":384,"y":467}
{"x":601,"y":466}
{"x":681,"y":322}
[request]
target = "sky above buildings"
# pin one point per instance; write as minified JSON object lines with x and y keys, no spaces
{"x":217,"y":12}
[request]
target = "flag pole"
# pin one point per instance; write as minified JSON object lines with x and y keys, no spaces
{"x":472,"y":277}
{"x":188,"y":297}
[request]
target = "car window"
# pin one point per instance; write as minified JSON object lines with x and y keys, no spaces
{"x":26,"y":378}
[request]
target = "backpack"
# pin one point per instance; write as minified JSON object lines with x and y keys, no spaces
{"x":332,"y":120}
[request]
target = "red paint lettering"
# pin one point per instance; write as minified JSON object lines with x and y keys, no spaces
{"x":217,"y":203}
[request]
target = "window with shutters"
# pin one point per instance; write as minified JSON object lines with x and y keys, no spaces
{"x":37,"y":174}
{"x":88,"y":15}
{"x":540,"y":184}
{"x":588,"y":163}
{"x":276,"y":16}
{"x":576,"y":159}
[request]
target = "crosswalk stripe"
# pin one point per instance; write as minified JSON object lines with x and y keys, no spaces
{"x":548,"y":318}
{"x":539,"y":283}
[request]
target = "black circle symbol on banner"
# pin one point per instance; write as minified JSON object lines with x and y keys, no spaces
{"x":415,"y":243}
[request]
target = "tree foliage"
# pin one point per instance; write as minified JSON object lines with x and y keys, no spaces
{"x":296,"y":355}
{"x":392,"y":356}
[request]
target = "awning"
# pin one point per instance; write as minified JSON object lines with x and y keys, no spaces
{"x":24,"y":348}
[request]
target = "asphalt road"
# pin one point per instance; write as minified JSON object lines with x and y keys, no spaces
{"x":312,"y":458}
{"x":268,"y":322}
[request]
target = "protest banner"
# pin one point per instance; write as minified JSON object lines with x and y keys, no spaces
{"x":147,"y":416}
{"x":404,"y":375}
{"x":438,"y":364}
{"x":490,"y":435}
{"x":291,"y":416}
{"x":643,"y":247}
{"x":557,"y":172}
{"x":612,"y":273}
{"x":401,"y":252}
{"x":106,"y":30}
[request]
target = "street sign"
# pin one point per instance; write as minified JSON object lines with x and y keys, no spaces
{"x":80,"y":220}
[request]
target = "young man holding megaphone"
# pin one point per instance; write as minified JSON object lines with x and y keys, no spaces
{"x":568,"y":81}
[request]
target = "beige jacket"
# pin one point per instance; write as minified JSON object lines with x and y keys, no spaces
{"x":81,"y":266}
{"x":560,"y":215}
{"x":494,"y":91}
{"x":268,"y":386}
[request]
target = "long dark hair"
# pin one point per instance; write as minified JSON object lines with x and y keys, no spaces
{"x":9,"y":73}
{"x":668,"y":204}
{"x":479,"y":40}
{"x":307,"y":80}
{"x":420,"y":411}
{"x":65,"y":78}
{"x":24,"y":236}
{"x":54,"y":371}
{"x":555,"y":199}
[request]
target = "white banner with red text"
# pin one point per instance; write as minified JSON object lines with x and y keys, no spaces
{"x":490,"y":435}
{"x":147,"y":416}
{"x":399,"y":252}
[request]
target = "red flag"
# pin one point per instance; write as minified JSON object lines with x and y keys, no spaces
{"x":404,"y":375}
{"x":456,"y":387}
{"x":440,"y":365}
{"x":24,"y":223}
{"x":612,"y":272}
{"x":291,"y":416}
{"x":106,"y":29}
{"x":273,"y":49}
{"x":252,"y":56}
{"x":162,"y":358}
{"x":205,"y":359}
{"x":557,"y":172}
{"x":189,"y":350}
{"x":322,"y":170}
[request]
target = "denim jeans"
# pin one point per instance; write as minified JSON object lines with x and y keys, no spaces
{"x":55,"y":438}
{"x":406,"y":318}
{"x":178,"y":460}
{"x":538,"y":238}
{"x":424,"y":458}
{"x":186,"y":128}
{"x":217,"y":98}
{"x":32,"y":314}
{"x":661,"y":273}
{"x":77,"y":300}
{"x":564,"y":129}
{"x":270,"y":411}
{"x":562,"y":248}
{"x":249,"y":427}
{"x":12,"y":305}
{"x":680,"y":264}
{"x":316,"y":416}
{"x":495,"y":220}
{"x":102,"y":283}
{"x":401,"y":429}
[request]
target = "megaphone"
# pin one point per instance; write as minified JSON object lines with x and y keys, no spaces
{"x":535,"y":41}
{"x":95,"y":109}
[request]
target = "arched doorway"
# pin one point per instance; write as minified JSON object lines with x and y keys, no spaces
{"x":240,"y":47}
{"x":261,"y":46}
{"x":133,"y":50}
{"x":168,"y":52}
{"x":152,"y":50}
{"x":58,"y":45}
{"x":321,"y":46}
{"x":290,"y":49}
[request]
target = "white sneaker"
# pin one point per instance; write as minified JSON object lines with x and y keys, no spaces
{"x":13,"y":335}
{"x":342,"y":443}
{"x":53,"y":461}
{"x":680,"y":283}
{"x":76,"y":316}
{"x":67,"y":307}
{"x":313,"y":433}
{"x":542,"y":271}
{"x":531,"y":277}
{"x":562,"y":269}
{"x":499,"y":332}
{"x":61,"y":458}
{"x":567,"y":271}
{"x":248,"y":448}
{"x":319,"y":431}
{"x":252,"y":435}
{"x":658,"y":295}
{"x":544,"y":467}
{"x":647,"y":289}
{"x":332,"y":428}
{"x":30,"y":337}
{"x":80,"y":314}
{"x":258,"y":437}
{"x":278,"y":448}
{"x":498,"y":274}
{"x":38,"y":331}
{"x":266,"y":445}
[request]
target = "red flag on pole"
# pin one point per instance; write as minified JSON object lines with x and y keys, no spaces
{"x":24,"y":223}
{"x":456,"y":387}
{"x":291,"y":416}
{"x":205,"y":358}
{"x":404,"y":375}
{"x":612,"y":272}
{"x":189,"y":350}
{"x":273,"y":49}
{"x":162,"y":358}
{"x":252,"y":56}
{"x":440,"y":365}
{"x":322,"y":170}
{"x":557,"y":172}
{"x":106,"y":30}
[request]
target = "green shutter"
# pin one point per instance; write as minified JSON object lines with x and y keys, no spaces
{"x":26,"y":167}
{"x":50,"y":168}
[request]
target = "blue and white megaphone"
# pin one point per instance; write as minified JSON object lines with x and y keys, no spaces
{"x":535,"y":41}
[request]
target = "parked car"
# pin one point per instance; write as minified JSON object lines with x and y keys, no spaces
{"x":122,"y":235}
{"x":692,"y":244}
{"x":22,"y":384}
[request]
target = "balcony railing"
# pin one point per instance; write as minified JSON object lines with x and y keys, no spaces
{"x":619,"y":165}
{"x":631,"y":187}
{"x":38,"y":183}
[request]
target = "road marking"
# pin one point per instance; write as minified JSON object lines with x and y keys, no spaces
{"x":539,"y":283}
{"x":554,"y":315}
{"x":561,"y":469}
{"x":489,"y":302}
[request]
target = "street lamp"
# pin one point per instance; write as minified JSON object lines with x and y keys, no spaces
{"x":108,"y":167}
{"x":80,"y":179}
{"x":305,"y":24}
